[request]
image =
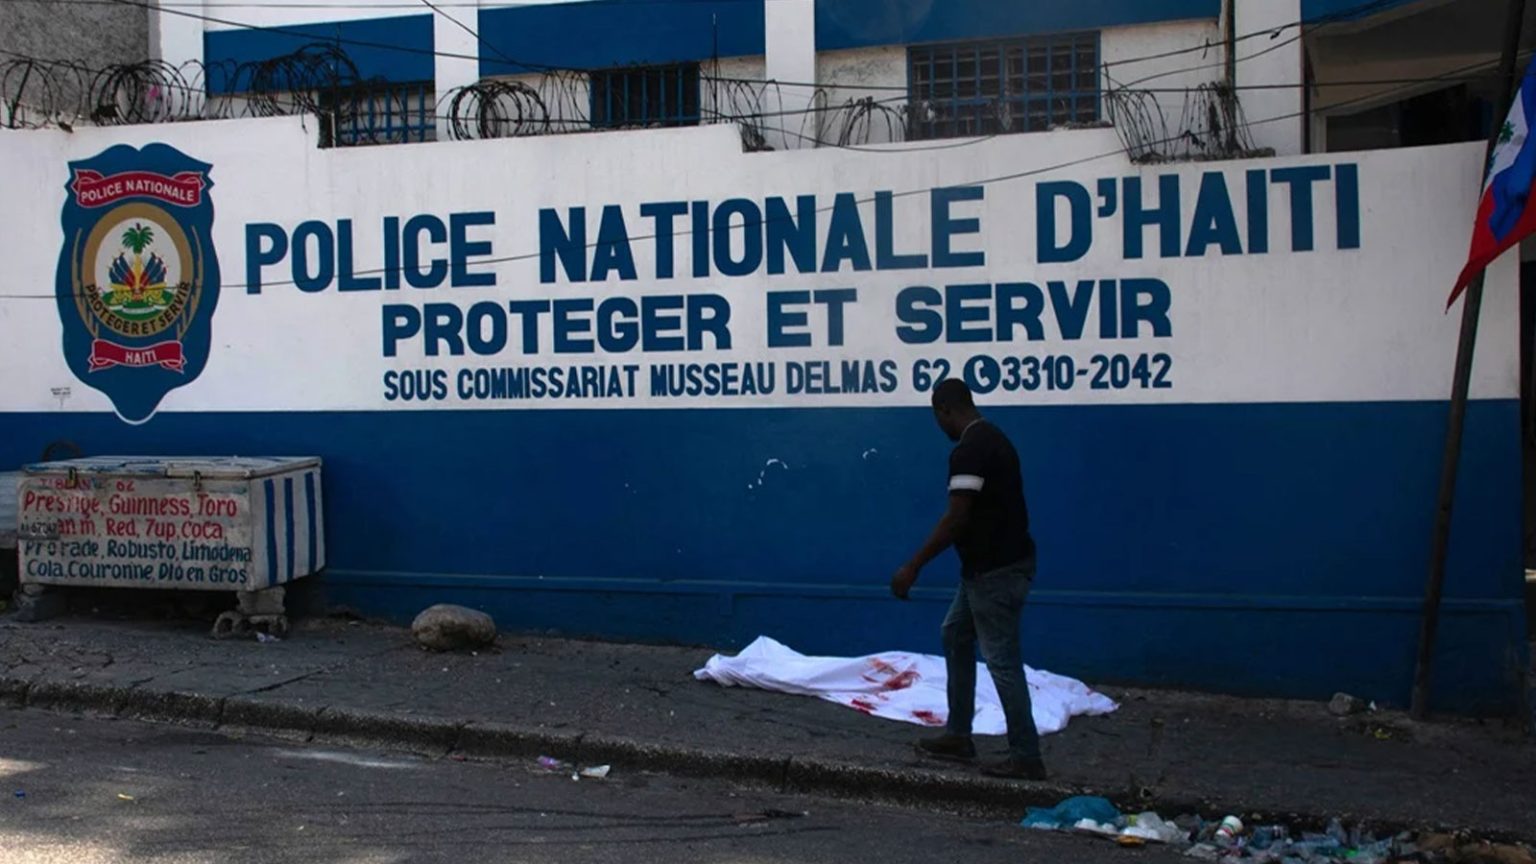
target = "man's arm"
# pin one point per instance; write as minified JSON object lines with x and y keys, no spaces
{"x":942,"y":537}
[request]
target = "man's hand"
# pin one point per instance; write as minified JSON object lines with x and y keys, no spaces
{"x":903,"y":581}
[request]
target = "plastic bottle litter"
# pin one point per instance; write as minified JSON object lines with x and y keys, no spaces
{"x":1268,"y":836}
{"x":597,"y":772}
{"x":1150,"y":826}
{"x":1337,"y":834}
{"x":1106,"y":828}
{"x":21,"y":793}
{"x":1230,"y":829}
{"x":1372,"y":853}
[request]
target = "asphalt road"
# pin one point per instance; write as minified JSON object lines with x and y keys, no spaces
{"x":83,"y":791}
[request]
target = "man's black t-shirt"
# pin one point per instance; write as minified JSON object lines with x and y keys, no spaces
{"x":985,"y":465}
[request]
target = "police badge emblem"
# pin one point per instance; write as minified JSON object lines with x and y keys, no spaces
{"x":138,"y":279}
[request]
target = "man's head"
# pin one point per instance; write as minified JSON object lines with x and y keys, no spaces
{"x":953,"y":407}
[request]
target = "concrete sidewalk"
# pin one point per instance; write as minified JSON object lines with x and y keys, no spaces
{"x":639,"y":708}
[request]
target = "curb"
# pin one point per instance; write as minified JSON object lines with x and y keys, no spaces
{"x":968,"y":795}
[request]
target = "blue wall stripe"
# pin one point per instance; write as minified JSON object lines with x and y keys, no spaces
{"x":844,"y":24}
{"x":1323,"y":11}
{"x":288,"y":523}
{"x":313,"y":517}
{"x":1257,"y":548}
{"x":602,"y":34}
{"x":271,"y":500}
{"x":393,"y":49}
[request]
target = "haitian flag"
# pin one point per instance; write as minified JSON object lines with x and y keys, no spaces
{"x":1506,"y":215}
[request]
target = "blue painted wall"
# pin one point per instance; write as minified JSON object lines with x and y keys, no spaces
{"x":1320,"y":11}
{"x":393,"y":49}
{"x":1256,"y":549}
{"x":861,"y":23}
{"x":602,"y":34}
{"x":623,"y":32}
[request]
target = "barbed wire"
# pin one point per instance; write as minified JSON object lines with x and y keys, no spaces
{"x":321,"y":80}
{"x":318,"y":79}
{"x":1211,"y":126}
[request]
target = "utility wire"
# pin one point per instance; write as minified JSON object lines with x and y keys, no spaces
{"x":988,"y":181}
{"x":1341,"y":15}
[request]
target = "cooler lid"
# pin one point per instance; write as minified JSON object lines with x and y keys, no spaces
{"x":213,"y":467}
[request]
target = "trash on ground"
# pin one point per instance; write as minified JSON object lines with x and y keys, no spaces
{"x":1229,"y":829}
{"x":1231,"y":842}
{"x":1070,"y":812}
{"x":264,"y":638}
{"x":1151,"y":826}
{"x":898,"y":685}
{"x":549,"y":763}
{"x":21,"y":793}
{"x":122,"y":796}
{"x":1089,"y":826}
{"x":597,"y":772}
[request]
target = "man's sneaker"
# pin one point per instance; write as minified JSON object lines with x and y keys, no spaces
{"x":955,"y":748}
{"x":1016,"y":769}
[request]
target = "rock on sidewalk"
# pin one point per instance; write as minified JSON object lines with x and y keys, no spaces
{"x":1344,"y":705}
{"x":445,"y":627}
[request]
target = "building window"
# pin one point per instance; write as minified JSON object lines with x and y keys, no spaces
{"x":1014,"y":85}
{"x":382,"y":113}
{"x":646,"y":96}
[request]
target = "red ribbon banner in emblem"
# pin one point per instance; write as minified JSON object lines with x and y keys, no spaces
{"x":93,"y":189}
{"x":167,"y":355}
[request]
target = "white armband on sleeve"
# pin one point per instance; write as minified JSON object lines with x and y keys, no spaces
{"x":966,"y":483}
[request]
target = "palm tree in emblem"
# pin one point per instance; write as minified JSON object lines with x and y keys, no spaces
{"x":137,"y":278}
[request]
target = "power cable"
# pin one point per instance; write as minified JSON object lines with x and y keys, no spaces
{"x":989,"y":181}
{"x":1341,"y":15}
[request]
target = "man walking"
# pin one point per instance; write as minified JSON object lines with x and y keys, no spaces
{"x":987,"y":522}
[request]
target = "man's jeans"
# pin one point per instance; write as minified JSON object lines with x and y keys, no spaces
{"x":986,"y":610}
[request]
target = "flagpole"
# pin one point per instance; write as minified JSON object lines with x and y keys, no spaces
{"x":1472,"y":304}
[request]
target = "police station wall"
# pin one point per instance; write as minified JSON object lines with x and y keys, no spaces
{"x":644,"y":385}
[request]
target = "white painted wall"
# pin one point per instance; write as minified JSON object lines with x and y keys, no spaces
{"x":258,"y":14}
{"x":176,"y":32}
{"x":1131,"y":58}
{"x":735,"y":88}
{"x":864,"y":92}
{"x":790,"y":28}
{"x":1274,"y":115}
{"x":457,"y":62}
{"x":1362,"y":324}
{"x":799,"y":116}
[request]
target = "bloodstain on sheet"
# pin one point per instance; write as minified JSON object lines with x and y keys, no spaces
{"x":927,"y":718}
{"x":864,"y":705}
{"x":888,"y":677}
{"x":878,"y":667}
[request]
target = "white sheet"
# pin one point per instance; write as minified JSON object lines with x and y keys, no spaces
{"x":899,"y":686}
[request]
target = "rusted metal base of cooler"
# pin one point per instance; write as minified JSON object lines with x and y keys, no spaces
{"x":38,"y":603}
{"x":258,"y":612}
